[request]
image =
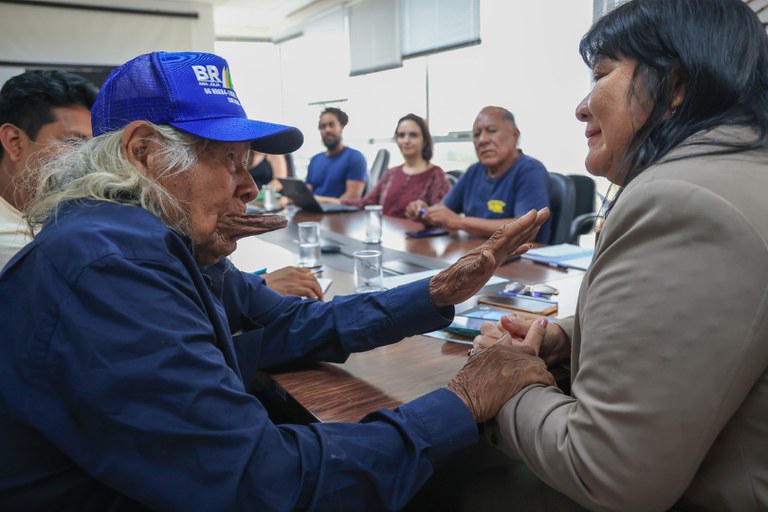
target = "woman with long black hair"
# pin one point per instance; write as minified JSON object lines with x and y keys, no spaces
{"x":669,"y":344}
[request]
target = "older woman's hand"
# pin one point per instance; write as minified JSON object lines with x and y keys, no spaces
{"x":491,"y":377}
{"x":513,"y":329}
{"x":464,"y":278}
{"x":490,"y":334}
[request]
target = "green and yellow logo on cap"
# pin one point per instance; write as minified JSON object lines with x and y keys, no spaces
{"x":227,"y":79}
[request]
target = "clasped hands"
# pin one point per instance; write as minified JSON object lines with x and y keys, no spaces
{"x":494,"y":374}
{"x":509,"y":354}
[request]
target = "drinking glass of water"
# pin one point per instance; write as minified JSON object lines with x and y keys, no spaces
{"x":309,"y":244}
{"x":269,"y":198}
{"x":373,"y":219}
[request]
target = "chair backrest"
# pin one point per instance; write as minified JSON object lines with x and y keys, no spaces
{"x":562,"y":202}
{"x":453,"y":176}
{"x":584,"y":211}
{"x":291,"y":166}
{"x":380,"y":163}
{"x":585,"y":193}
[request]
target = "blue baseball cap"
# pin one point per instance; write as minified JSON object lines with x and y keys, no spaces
{"x":190,"y":91}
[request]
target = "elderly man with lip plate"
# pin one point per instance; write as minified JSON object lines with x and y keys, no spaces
{"x":121,"y":386}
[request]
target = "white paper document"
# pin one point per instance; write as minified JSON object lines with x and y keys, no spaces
{"x":395,"y":281}
{"x":325,"y":283}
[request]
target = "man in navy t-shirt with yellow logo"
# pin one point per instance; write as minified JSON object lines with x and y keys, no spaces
{"x":502,"y":186}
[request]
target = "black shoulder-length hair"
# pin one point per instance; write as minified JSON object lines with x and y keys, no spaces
{"x":717,"y":49}
{"x":426,"y":151}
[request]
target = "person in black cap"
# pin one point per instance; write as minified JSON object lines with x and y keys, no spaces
{"x":121,"y":386}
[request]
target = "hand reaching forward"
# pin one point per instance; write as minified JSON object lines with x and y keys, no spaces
{"x":464,"y":278}
{"x":491,"y":377}
{"x":294,"y":281}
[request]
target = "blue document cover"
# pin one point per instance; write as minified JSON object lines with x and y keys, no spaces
{"x":563,"y":255}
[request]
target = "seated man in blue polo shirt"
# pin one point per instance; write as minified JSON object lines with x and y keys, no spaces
{"x":502,"y":186}
{"x":341,"y":171}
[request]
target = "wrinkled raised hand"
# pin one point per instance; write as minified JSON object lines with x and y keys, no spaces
{"x":294,"y":281}
{"x":464,"y":278}
{"x":492,"y":376}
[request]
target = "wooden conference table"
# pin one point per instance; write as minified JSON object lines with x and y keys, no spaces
{"x":391,"y":375}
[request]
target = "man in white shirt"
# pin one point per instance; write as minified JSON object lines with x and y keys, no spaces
{"x":40,"y":111}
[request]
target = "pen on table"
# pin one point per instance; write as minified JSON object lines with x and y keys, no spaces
{"x":259,"y":272}
{"x":553,"y":264}
{"x":527,"y":297}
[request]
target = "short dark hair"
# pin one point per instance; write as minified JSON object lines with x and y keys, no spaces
{"x":426,"y":151}
{"x":27,"y":100}
{"x":717,"y":49}
{"x":341,"y":116}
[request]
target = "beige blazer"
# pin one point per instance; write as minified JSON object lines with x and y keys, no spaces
{"x":669,"y":349}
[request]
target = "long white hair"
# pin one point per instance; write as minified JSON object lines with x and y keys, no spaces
{"x":98,"y":170}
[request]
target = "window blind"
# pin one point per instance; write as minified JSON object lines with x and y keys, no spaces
{"x":429,"y":26}
{"x":374,"y":42}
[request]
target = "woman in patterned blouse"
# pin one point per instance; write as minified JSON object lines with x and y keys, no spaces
{"x":415,"y":179}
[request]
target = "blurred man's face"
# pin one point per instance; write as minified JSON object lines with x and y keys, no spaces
{"x":330,"y":130}
{"x":72,"y":123}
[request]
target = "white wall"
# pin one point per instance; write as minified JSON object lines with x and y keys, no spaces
{"x":528,"y":62}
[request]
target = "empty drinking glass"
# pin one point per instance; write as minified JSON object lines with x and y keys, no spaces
{"x":368,"y":271}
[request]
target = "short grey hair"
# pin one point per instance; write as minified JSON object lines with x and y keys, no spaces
{"x":98,"y":170}
{"x":506,"y":114}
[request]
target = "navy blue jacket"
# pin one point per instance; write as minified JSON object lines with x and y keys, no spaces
{"x":120,"y":383}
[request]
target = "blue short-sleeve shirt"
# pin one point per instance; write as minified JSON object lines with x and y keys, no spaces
{"x":328,"y":175}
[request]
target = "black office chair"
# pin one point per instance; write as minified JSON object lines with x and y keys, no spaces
{"x":453,"y":176}
{"x":378,"y":166}
{"x":562,"y":202}
{"x":585,"y":213}
{"x":291,"y":166}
